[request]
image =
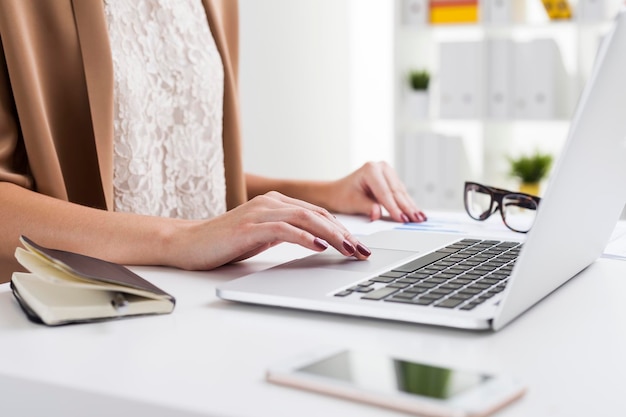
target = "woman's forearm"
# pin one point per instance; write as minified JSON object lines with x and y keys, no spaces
{"x":370,"y":190}
{"x":116,"y":237}
{"x":202,"y":244}
{"x":315,"y":192}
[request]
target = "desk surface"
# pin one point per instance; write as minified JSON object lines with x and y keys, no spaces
{"x":208,"y":358}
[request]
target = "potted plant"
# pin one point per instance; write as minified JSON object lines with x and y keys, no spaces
{"x":530,"y":170}
{"x":417,"y":99}
{"x":419,"y":80}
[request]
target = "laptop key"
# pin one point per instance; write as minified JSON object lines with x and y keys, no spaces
{"x":380,"y":293}
{"x":426,"y":285}
{"x":442,"y":291}
{"x":421,"y":262}
{"x":396,"y":299}
{"x":423,"y":301}
{"x":434,"y":281}
{"x":417,"y":290}
{"x":404,"y":296}
{"x":450,"y":303}
{"x":470,"y":291}
{"x":419,"y":275}
{"x":480,"y":286}
{"x":462,"y":297}
{"x":408,"y":280}
{"x":451,"y":286}
{"x":383,"y":279}
{"x":393,"y":274}
{"x":400,"y":285}
{"x":432,"y":296}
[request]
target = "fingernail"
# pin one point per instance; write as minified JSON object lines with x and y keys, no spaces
{"x":405,"y":218}
{"x":363,"y":250}
{"x":348,"y":246}
{"x":320,"y":243}
{"x":423,"y":217}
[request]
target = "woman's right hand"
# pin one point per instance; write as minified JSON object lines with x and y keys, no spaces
{"x":257,"y":225}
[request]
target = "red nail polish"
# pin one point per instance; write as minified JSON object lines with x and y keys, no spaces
{"x":348,"y":246}
{"x":320,"y":243}
{"x":363,"y":250}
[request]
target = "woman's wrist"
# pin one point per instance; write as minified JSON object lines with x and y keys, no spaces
{"x":171,"y":242}
{"x":320,"y":193}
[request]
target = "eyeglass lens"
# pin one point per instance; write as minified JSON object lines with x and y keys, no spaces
{"x":478,"y":202}
{"x":518,"y":211}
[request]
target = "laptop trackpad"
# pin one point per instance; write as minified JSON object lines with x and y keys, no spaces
{"x":410,"y":240}
{"x":381,"y":259}
{"x":389,"y":248}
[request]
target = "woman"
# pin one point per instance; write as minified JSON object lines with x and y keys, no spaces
{"x":120,"y":139}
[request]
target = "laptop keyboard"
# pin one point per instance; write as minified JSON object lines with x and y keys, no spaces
{"x":461,"y":276}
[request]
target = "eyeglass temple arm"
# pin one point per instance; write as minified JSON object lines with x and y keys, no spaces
{"x":525,"y":204}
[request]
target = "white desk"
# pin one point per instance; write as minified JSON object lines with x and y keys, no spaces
{"x":208,"y":357}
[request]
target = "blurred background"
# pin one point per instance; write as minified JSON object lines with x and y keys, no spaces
{"x":445,"y":90}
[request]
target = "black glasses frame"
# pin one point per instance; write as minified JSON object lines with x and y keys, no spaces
{"x":524,"y":200}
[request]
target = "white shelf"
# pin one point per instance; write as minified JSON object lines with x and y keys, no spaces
{"x":489,"y":140}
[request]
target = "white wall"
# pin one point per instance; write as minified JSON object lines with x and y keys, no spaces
{"x":315,"y":79}
{"x":372,"y":81}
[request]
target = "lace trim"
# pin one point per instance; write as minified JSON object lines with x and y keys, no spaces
{"x":169,"y":83}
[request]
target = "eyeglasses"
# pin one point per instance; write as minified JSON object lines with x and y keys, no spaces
{"x":518,"y":210}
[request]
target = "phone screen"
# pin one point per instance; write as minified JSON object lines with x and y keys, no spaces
{"x":388,"y":375}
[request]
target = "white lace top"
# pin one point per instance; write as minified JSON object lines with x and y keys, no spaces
{"x":169,"y":83}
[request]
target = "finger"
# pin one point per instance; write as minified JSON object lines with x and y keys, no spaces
{"x":320,"y":211}
{"x":324,"y":227}
{"x":290,"y":231}
{"x":376,"y":212}
{"x":401,"y":196}
{"x":380,"y":188}
{"x":330,"y":231}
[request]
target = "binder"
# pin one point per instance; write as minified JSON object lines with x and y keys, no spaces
{"x":415,"y":12}
{"x":537,"y":69}
{"x":454,"y":171}
{"x":592,"y":10}
{"x":497,"y":11}
{"x":499,"y":78}
{"x":435,"y":169}
{"x":430,"y":175}
{"x":454,"y":11}
{"x":461,"y":92}
{"x":411,"y":163}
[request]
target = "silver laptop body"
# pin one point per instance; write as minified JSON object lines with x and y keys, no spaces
{"x":575,"y":220}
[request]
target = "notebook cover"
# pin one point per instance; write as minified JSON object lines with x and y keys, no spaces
{"x":98,"y":269}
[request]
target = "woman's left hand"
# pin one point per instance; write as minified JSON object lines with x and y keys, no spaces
{"x":371,"y":188}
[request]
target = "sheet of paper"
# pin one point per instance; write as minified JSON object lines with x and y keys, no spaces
{"x":460,"y":223}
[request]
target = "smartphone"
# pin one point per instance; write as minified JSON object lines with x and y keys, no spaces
{"x":399,"y":384}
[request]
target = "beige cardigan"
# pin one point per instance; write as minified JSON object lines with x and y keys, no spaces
{"x":56,"y":101}
{"x":56,"y":98}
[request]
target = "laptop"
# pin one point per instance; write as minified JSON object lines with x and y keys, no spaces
{"x":573,"y":224}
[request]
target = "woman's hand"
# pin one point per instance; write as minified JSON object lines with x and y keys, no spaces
{"x":370,"y":188}
{"x":257,"y":225}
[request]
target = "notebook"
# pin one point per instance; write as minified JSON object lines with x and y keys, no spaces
{"x":573,"y":224}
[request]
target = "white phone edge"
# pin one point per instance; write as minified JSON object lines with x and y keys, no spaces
{"x":478,"y":402}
